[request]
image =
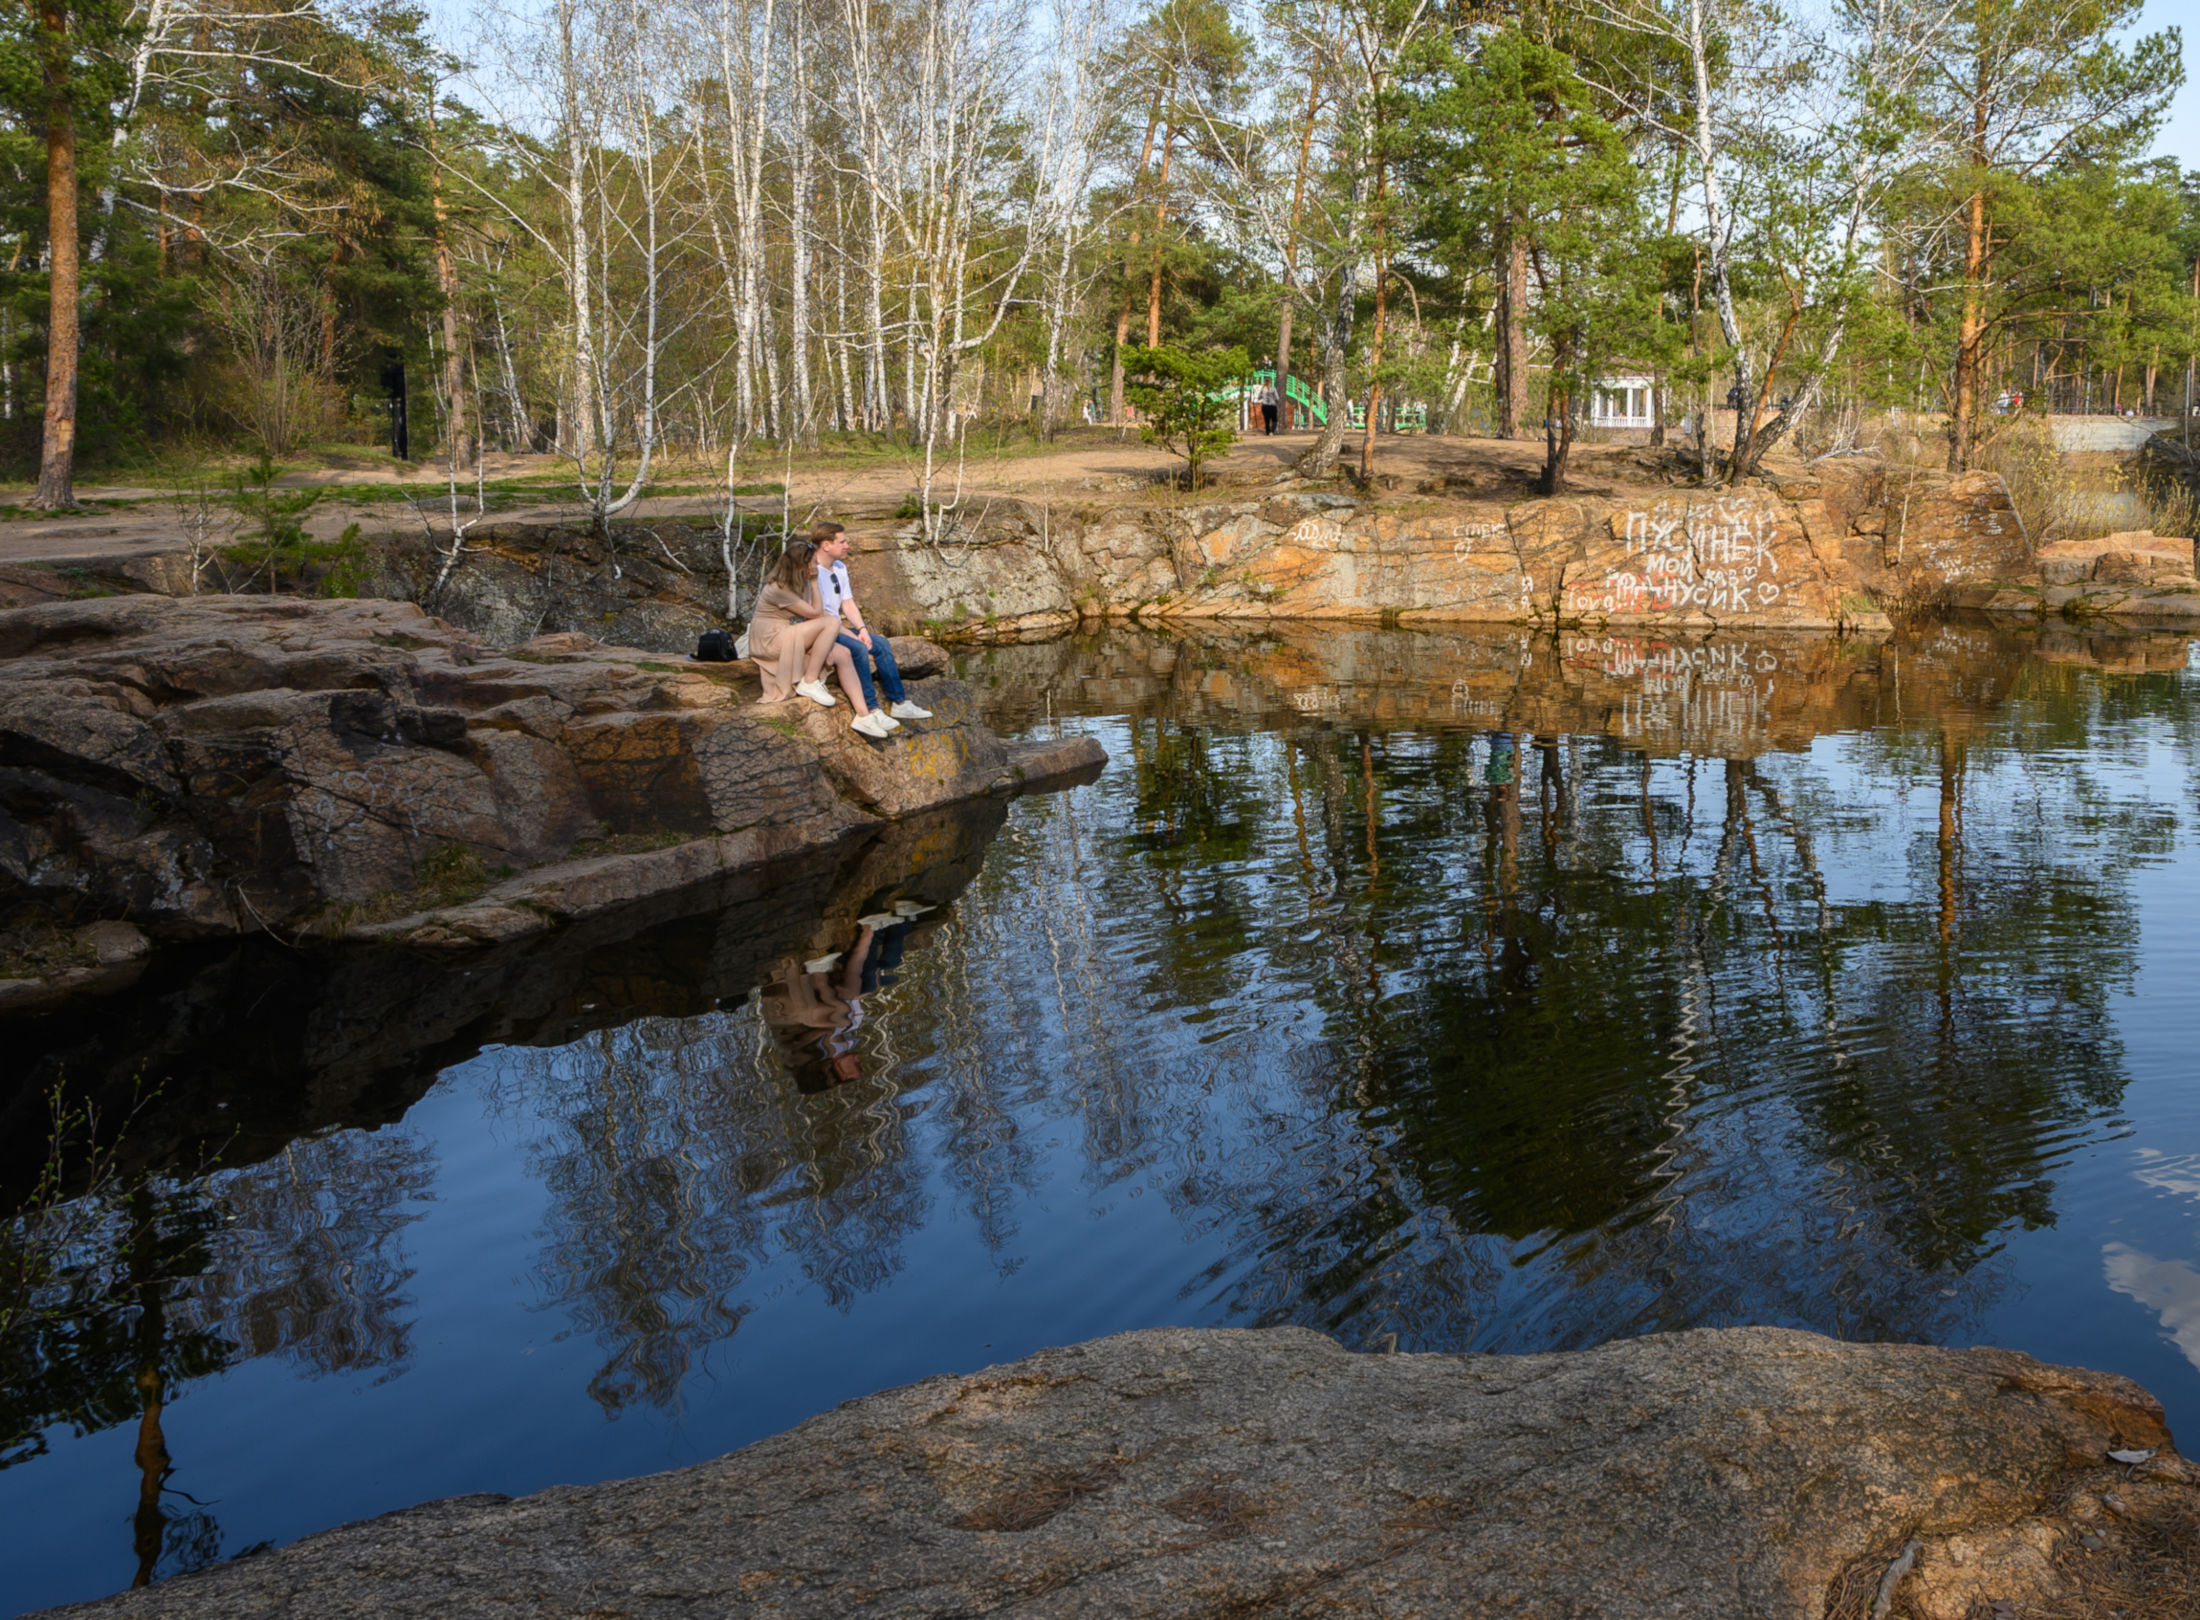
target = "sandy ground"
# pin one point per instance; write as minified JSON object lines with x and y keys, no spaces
{"x":860,"y":490}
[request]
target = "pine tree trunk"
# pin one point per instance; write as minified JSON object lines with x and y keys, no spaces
{"x":1160,"y":221}
{"x":1511,"y":368}
{"x":1115,"y":373}
{"x":57,"y":457}
{"x":1963,"y":405}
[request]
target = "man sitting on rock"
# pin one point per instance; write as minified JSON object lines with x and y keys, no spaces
{"x":836,"y":596}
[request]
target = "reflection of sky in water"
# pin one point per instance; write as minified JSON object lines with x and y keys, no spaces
{"x":2169,"y":1288}
{"x":1882,"y":1034}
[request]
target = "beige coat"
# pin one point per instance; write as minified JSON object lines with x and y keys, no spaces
{"x":773,"y":645}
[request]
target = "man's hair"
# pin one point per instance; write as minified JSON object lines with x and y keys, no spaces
{"x":825,"y":529}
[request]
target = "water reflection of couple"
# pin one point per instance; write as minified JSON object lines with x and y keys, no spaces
{"x":814,"y":1008}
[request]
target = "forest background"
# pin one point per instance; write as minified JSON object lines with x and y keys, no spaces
{"x":708,"y":234}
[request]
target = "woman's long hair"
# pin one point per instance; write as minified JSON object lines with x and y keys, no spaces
{"x":796,"y":568}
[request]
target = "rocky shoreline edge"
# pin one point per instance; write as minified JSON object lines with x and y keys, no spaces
{"x":180,"y":769}
{"x":1752,"y":1473}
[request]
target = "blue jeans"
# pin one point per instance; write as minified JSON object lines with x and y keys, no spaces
{"x":889,"y":673}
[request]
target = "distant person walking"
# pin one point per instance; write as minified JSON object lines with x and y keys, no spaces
{"x":837,"y":596}
{"x":1268,"y":407}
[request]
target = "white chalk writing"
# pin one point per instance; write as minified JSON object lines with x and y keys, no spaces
{"x":1719,"y":558}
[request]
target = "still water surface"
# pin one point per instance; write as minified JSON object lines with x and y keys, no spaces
{"x":1498,"y":992}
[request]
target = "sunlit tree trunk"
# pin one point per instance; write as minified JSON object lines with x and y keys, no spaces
{"x":1509,"y":368}
{"x":580,"y":419}
{"x":801,"y":187}
{"x":57,"y":455}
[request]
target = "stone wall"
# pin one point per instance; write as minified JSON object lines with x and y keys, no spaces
{"x":1836,"y":545}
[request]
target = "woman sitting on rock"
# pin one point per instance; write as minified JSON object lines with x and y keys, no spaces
{"x":791,"y":639}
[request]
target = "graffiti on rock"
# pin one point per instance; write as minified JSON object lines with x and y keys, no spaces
{"x":1715,"y":558}
{"x":1465,"y":536}
{"x":1314,"y":534}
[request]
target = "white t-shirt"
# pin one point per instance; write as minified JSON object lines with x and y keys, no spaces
{"x":832,"y":586}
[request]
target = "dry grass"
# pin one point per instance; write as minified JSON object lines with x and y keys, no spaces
{"x":2066,"y":497}
{"x":450,"y":876}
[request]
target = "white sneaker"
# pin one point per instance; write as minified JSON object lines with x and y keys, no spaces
{"x":822,"y":964}
{"x":871,"y":725}
{"x":816,"y":693}
{"x":887,"y":720}
{"x":877,"y":920}
{"x":910,"y":908}
{"x":905,"y":710}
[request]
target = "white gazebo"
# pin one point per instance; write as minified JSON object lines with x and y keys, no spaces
{"x":1623,"y":402}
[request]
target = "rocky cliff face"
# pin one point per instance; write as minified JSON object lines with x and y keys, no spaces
{"x":1737,"y":1474}
{"x":1826,"y":547}
{"x":656,"y":584}
{"x":217,"y":765}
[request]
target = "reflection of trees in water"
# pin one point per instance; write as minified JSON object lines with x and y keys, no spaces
{"x":310,"y":1264}
{"x":673,"y":1162}
{"x":1613,"y":1015}
{"x":152,"y":1284}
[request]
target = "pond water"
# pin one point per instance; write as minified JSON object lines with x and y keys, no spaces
{"x":1498,"y":992}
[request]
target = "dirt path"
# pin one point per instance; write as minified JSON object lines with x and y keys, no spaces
{"x":860,"y":489}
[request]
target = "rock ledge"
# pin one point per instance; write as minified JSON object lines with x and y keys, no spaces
{"x":216,"y":765}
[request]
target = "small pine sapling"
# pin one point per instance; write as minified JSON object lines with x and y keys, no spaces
{"x":1189,"y":401}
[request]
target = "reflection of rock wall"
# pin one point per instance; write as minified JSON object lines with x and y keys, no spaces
{"x":1733,"y":696}
{"x":253,"y":1045}
{"x":1813,"y":549}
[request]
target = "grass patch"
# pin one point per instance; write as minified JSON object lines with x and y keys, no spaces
{"x":450,"y":876}
{"x":627,"y":844}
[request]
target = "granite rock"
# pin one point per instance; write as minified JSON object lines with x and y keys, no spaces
{"x":203,"y":766}
{"x":1751,"y":1473}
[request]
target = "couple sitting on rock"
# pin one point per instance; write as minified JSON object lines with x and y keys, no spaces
{"x":806,"y":617}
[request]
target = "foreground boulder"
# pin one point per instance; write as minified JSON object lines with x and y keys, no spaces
{"x":209,"y":766}
{"x":1755,"y":1473}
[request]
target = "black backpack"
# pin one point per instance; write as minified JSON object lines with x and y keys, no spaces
{"x":714,"y":647}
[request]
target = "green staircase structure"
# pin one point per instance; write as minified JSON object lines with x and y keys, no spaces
{"x":1295,"y":390}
